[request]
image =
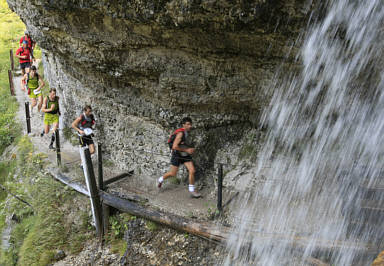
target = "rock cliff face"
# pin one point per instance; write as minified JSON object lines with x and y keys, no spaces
{"x":144,"y":64}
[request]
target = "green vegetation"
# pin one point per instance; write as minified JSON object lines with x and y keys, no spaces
{"x":118,"y":224}
{"x":151,"y":226}
{"x":44,"y":223}
{"x":12,"y":30}
{"x":119,"y":246}
{"x":11,"y":27}
{"x":42,"y":228}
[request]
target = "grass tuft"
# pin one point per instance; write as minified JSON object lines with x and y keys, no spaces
{"x":151,"y":226}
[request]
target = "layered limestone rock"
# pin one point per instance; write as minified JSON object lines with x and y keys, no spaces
{"x":143,"y":65}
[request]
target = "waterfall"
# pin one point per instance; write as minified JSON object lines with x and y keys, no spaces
{"x":324,"y":150}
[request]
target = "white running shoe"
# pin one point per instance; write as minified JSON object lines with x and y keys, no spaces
{"x":158,"y":183}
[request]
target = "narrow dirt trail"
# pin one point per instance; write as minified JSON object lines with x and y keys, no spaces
{"x":172,"y":198}
{"x":69,"y":152}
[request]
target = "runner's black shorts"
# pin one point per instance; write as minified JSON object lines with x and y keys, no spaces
{"x":177,"y":159}
{"x":25,"y":65}
{"x":85,"y":140}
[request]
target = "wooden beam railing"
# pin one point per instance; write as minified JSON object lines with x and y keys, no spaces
{"x":116,"y":178}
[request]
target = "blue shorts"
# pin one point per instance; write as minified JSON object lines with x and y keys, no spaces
{"x":25,"y":65}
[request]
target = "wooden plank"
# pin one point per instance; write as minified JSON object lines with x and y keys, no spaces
{"x":221,"y":234}
{"x":66,"y":180}
{"x":202,"y":229}
{"x":217,"y":233}
{"x":116,"y":178}
{"x":131,"y":197}
{"x":81,"y":188}
{"x":15,"y":196}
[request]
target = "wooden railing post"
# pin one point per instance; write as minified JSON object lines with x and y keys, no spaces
{"x":58,"y":152}
{"x":105,"y":210}
{"x":100,"y":166}
{"x":220,"y":188}
{"x":28,"y":117}
{"x":11,"y":58}
{"x":92,"y":188}
{"x":104,"y":207}
{"x":11,"y":85}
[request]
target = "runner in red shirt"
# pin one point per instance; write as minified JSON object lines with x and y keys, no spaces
{"x":31,"y":43}
{"x":24,"y":55}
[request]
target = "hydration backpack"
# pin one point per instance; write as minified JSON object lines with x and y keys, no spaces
{"x":173,"y":136}
{"x":87,"y":123}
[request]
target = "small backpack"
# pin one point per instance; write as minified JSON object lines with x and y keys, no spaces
{"x":173,"y":136}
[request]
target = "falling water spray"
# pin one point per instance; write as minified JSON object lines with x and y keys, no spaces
{"x":324,"y":150}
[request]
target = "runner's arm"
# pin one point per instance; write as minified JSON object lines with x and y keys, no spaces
{"x":19,"y":55}
{"x":41,"y":82}
{"x":176,"y":143}
{"x":51,"y":108}
{"x":75,"y":123}
{"x":44,"y":105}
{"x":44,"y":109}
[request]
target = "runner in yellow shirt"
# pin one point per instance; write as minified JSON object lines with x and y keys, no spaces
{"x":34,"y":83}
{"x":52,"y":112}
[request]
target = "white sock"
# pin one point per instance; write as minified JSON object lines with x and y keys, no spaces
{"x":161,"y":179}
{"x":191,"y":188}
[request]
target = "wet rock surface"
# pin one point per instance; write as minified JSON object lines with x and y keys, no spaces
{"x":143,"y":65}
